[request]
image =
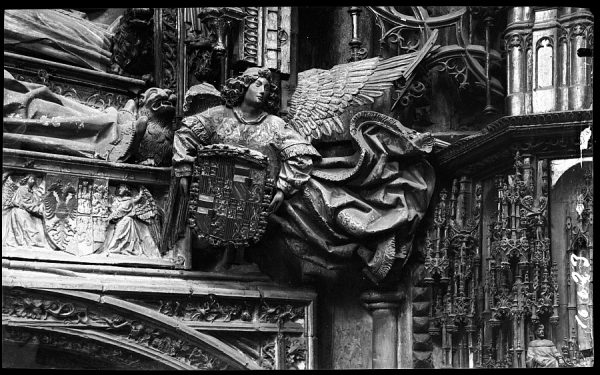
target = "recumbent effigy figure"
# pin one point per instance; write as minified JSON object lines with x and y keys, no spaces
{"x":327,"y":210}
{"x":37,"y":119}
{"x":247,"y":119}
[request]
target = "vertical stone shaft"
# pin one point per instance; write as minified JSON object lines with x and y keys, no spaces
{"x":384,"y":310}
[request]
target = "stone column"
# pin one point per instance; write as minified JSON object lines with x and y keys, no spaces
{"x":384,"y":310}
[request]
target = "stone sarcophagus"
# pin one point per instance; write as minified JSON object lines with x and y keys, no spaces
{"x":229,"y":196}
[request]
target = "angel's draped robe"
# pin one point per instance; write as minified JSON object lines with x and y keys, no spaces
{"x":363,"y":207}
{"x":289,"y":154}
{"x":21,"y":220}
{"x":129,"y":235}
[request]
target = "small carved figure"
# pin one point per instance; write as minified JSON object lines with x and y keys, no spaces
{"x":542,"y":352}
{"x":22,"y":213}
{"x":136,"y":224}
{"x":156,"y":117}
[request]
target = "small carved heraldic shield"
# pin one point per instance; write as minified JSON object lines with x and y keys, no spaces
{"x":230,"y":193}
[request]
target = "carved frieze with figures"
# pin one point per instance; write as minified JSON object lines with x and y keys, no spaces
{"x":71,"y":217}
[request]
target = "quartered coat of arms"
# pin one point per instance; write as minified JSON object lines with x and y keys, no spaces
{"x":230,"y":193}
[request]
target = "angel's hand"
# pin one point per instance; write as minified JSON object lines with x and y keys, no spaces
{"x":138,"y":196}
{"x":276,"y":202}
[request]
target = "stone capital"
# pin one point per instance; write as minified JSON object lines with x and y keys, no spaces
{"x":376,"y":300}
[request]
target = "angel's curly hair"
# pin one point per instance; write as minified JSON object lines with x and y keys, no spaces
{"x":25,"y":179}
{"x":235,"y":88}
{"x":123,"y":190}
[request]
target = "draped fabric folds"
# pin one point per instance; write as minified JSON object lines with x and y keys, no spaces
{"x":37,"y":119}
{"x":58,"y":35}
{"x":367,"y":204}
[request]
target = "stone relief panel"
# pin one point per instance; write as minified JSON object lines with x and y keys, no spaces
{"x":65,"y":216}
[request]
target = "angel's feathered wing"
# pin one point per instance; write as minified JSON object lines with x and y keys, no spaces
{"x":201,"y":97}
{"x":322,"y":96}
{"x":9,"y":187}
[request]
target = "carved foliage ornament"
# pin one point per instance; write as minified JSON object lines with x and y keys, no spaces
{"x":34,"y":307}
{"x":522,"y":283}
{"x":215,"y":309}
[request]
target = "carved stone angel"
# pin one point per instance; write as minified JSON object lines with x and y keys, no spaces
{"x":22,"y":213}
{"x":135,"y":225}
{"x":358,"y":207}
{"x":361,"y":206}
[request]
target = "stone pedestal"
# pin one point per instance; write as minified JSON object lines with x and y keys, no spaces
{"x":384,"y":309}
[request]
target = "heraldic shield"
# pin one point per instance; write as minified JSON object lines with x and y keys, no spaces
{"x":230,"y":193}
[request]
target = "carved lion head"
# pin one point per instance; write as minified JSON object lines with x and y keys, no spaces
{"x":157,"y":102}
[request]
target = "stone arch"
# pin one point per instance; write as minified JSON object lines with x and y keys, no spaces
{"x":132,"y":327}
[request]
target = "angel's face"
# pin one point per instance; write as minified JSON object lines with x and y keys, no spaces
{"x":257,"y":92}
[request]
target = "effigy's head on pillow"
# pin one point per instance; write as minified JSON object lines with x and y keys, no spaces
{"x":255,"y":87}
